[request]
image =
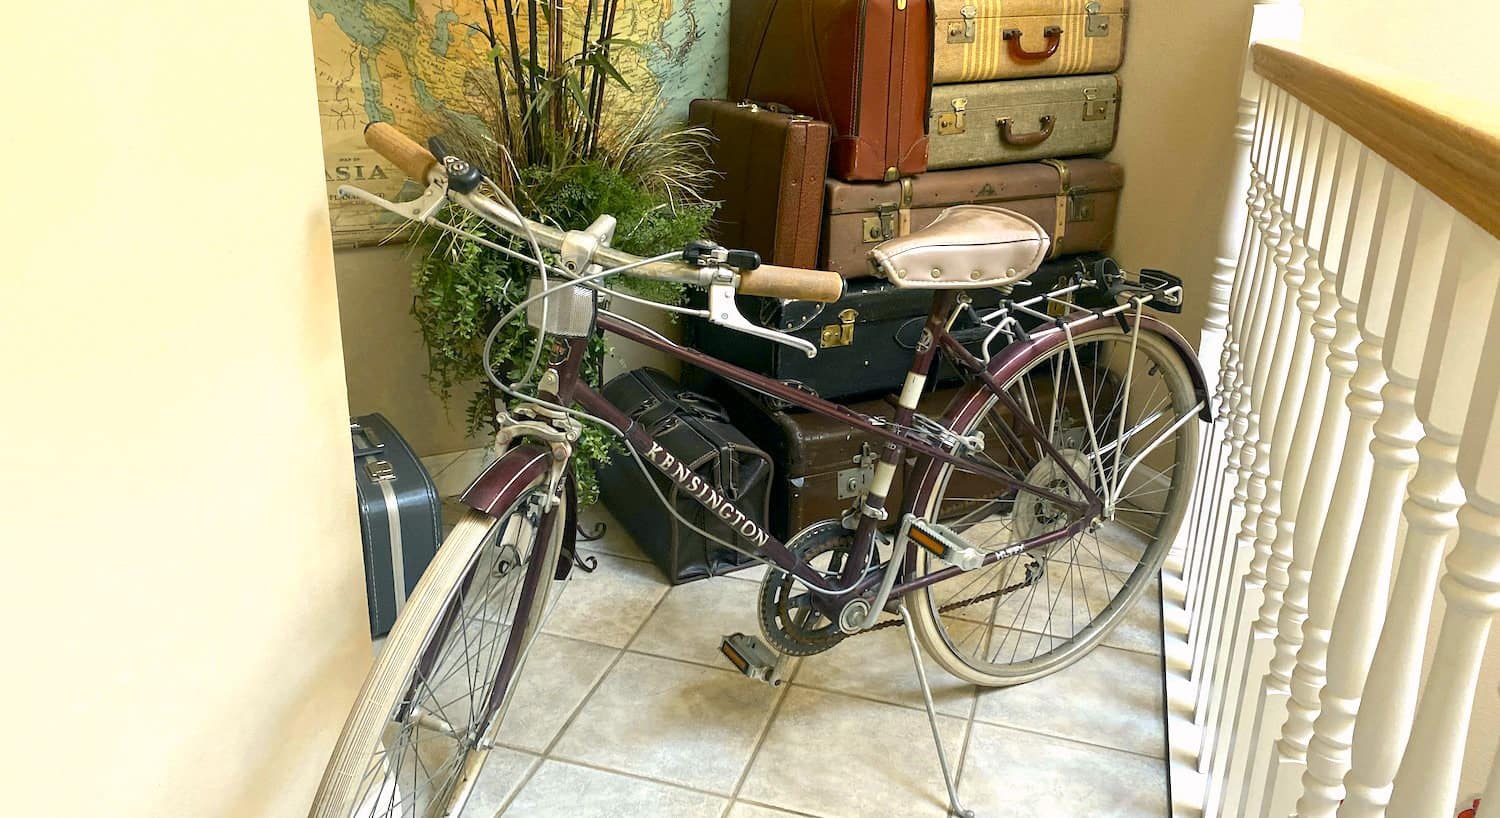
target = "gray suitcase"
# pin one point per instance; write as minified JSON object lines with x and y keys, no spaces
{"x":990,"y":123}
{"x":400,"y":517}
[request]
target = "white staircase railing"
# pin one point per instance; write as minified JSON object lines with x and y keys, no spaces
{"x":1353,"y":475}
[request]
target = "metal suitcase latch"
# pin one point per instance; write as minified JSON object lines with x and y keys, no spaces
{"x":855,"y":482}
{"x":1094,"y":108}
{"x":954,"y":123}
{"x":840,"y":334}
{"x":1080,"y":206}
{"x":881,"y":226}
{"x":963,"y":32}
{"x":1095,"y":24}
{"x":380,"y":471}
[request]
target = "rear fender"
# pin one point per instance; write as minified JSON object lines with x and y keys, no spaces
{"x":1010,"y":361}
{"x":1015,"y":356}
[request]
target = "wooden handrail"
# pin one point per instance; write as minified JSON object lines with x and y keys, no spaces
{"x":1455,"y":159}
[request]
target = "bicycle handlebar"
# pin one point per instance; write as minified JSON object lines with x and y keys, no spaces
{"x":767,"y":280}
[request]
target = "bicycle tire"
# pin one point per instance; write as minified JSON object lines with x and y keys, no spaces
{"x":943,"y":633}
{"x":425,"y":625}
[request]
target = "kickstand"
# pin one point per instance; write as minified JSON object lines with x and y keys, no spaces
{"x":955,"y":808}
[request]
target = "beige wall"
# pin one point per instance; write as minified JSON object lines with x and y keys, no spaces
{"x":384,"y":359}
{"x":183,"y":606}
{"x":1180,"y":87}
{"x":386,"y":362}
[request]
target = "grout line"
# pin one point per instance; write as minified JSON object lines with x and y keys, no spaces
{"x":583,"y":702}
{"x":1080,"y":742}
{"x":639,"y":777}
{"x":963,"y":751}
{"x":760,"y":738}
{"x":876,"y":700}
{"x":763,"y":805}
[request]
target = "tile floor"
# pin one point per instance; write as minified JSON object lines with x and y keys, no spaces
{"x":627,"y":709}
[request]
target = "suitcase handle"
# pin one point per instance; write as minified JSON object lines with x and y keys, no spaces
{"x":1010,"y":137}
{"x":1019,"y":53}
{"x":373,"y":443}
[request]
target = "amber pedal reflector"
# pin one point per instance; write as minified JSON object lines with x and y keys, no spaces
{"x":735,"y":658}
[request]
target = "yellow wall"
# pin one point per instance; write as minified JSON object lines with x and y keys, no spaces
{"x":183,"y":606}
{"x":384,"y":358}
{"x":1180,"y":86}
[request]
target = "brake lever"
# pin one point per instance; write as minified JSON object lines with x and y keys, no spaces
{"x":723,"y":311}
{"x":420,"y":209}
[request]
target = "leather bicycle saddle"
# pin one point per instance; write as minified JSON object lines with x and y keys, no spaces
{"x":966,"y":246}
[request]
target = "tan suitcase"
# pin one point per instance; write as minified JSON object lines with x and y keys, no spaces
{"x":979,"y":40}
{"x":990,"y":123}
{"x":1075,"y":199}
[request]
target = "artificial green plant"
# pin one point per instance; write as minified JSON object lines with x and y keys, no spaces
{"x":545,"y":138}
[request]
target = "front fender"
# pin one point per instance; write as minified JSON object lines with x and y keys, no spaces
{"x":507,"y":479}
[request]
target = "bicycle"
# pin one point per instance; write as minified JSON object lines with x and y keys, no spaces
{"x":1065,"y":459}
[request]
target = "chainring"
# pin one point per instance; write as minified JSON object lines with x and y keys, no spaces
{"x":787,"y":619}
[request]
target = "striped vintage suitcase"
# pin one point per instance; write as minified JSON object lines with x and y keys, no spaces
{"x":978,"y":40}
{"x":989,"y":123}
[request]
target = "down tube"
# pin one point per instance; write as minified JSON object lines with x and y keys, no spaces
{"x":767,"y":546}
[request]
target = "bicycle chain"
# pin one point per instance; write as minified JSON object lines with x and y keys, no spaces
{"x":962,"y":603}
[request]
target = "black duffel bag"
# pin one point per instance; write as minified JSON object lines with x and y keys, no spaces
{"x":697,"y":432}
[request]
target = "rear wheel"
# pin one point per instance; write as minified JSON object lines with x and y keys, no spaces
{"x":1032,"y":614}
{"x":421,"y":729}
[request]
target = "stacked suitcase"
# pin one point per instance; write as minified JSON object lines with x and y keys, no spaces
{"x":851,"y":122}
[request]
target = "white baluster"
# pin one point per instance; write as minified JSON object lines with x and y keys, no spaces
{"x":1231,"y":564}
{"x":1266,"y":326}
{"x":1427,"y":781}
{"x":1286,"y":380}
{"x":1491,"y":791}
{"x":1361,"y":609}
{"x":1318,"y":301}
{"x":1203,"y":554}
{"x":1212,"y":342}
{"x":1348,"y":244}
{"x":1449,"y":368}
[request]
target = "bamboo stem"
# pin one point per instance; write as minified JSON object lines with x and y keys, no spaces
{"x":555,"y":66}
{"x":489,"y":21}
{"x":523,"y":92}
{"x":532,"y":80}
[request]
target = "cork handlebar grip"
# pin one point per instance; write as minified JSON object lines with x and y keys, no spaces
{"x":413,"y":159}
{"x":792,"y":282}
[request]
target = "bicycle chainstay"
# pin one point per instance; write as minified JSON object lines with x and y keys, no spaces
{"x":963,"y":603}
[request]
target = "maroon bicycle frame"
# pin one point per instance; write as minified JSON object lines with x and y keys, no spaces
{"x":898,"y":442}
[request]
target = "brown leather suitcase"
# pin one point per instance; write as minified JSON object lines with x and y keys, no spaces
{"x":823,"y":466}
{"x":864,"y":66}
{"x":1075,"y":199}
{"x":771,"y":165}
{"x":980,"y":40}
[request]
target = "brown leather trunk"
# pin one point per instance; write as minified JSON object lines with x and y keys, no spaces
{"x":771,"y":165}
{"x":864,"y":66}
{"x":823,"y":466}
{"x":1075,"y":199}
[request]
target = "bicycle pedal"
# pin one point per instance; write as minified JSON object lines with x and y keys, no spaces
{"x":753,"y":658}
{"x":943,"y":543}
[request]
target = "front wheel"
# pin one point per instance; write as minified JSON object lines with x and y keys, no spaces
{"x":1119,"y":409}
{"x":424,"y":721}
